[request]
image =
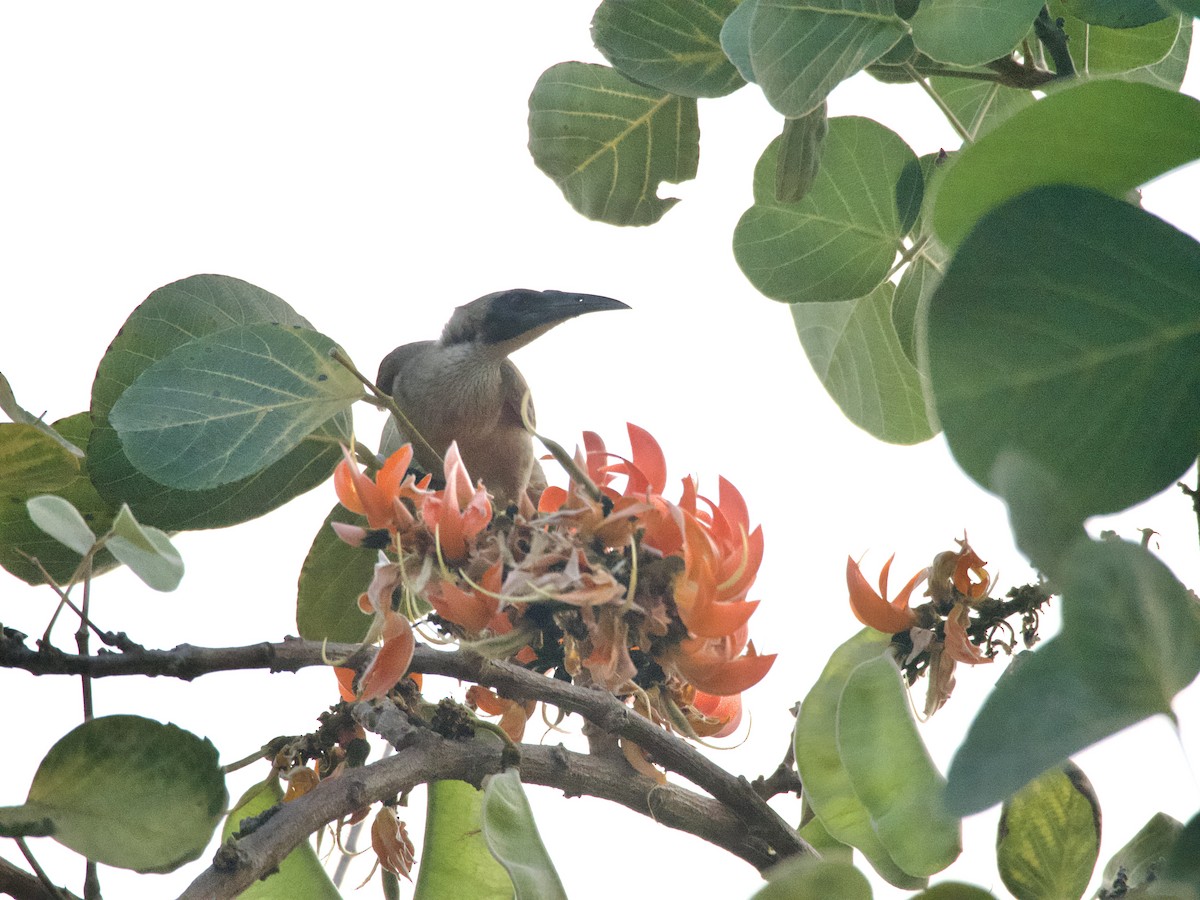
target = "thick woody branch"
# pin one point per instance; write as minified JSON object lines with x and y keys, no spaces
{"x":422,"y":757}
{"x":604,"y":710}
{"x":17,"y":883}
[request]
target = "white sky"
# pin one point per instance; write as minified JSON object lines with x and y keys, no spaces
{"x":369,"y":166}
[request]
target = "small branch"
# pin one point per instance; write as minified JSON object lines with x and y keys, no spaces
{"x":1194,"y":494}
{"x":423,"y":757}
{"x":386,"y":402}
{"x":24,"y":886}
{"x":1052,"y":36}
{"x":958,"y":126}
{"x":1020,"y":75}
{"x":785,"y":779}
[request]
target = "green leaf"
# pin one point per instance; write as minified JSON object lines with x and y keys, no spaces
{"x":230,"y":404}
{"x":979,"y":106}
{"x":954,"y":890}
{"x":1183,"y":862}
{"x":609,"y":143}
{"x":21,"y":416}
{"x":146,"y":550}
{"x":1049,"y":836}
{"x":1108,"y":135}
{"x":801,"y":878}
{"x":170,"y":317}
{"x":62,"y":521}
{"x":513,"y":838}
{"x":1089,"y":310}
{"x":1141,"y":861}
{"x":801,"y":50}
{"x":331,"y":579}
{"x":33,"y":462}
{"x":1130,"y":641}
{"x":735,"y":38}
{"x":129,"y":792}
{"x":1168,"y":72}
{"x":1045,"y":522}
{"x":840,"y":241}
{"x":1106,"y":51}
{"x":827,"y":785}
{"x":672,"y":45}
{"x":799,"y":157}
{"x":1190,"y":7}
{"x":1116,"y":13}
{"x":969,"y":33}
{"x":824,"y":843}
{"x":300,"y":876}
{"x":892,"y":772}
{"x":454,"y":852}
{"x":854,"y":349}
{"x":21,"y":540}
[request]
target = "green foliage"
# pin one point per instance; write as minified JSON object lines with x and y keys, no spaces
{"x":513,"y":838}
{"x":33,"y":462}
{"x":146,"y":550}
{"x":1049,"y":837}
{"x":609,"y":143}
{"x":1140,"y":862}
{"x":1103,"y":51}
{"x":1116,"y":13}
{"x":227,"y":405}
{"x":667,"y":44}
{"x":814,"y":879}
{"x":300,"y":876}
{"x":968,"y":33}
{"x":840,"y":241}
{"x":127,"y":792}
{"x":854,"y":349}
{"x":455,"y":851}
{"x":62,"y":521}
{"x":1130,"y":641}
{"x":1108,"y":135}
{"x":828,"y":786}
{"x":331,"y":579}
{"x":798,"y":159}
{"x":172,"y":316}
{"x":1078,"y":304}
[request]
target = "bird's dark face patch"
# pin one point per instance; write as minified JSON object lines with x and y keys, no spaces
{"x":513,"y":313}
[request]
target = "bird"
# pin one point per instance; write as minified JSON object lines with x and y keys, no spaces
{"x":463,"y":387}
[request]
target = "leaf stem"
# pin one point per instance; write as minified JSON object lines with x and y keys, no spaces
{"x":50,"y":886}
{"x":941,"y":104}
{"x":385,"y":401}
{"x":1052,"y":36}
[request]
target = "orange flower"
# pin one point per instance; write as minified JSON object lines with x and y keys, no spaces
{"x":390,"y":841}
{"x":714,"y":666}
{"x":471,"y":609}
{"x":513,"y":715}
{"x":966,"y":562}
{"x":700,"y":593}
{"x":724,"y":714}
{"x":391,"y":660}
{"x":873,"y":609}
{"x":958,"y":647}
{"x":379,"y":499}
{"x":459,"y":512}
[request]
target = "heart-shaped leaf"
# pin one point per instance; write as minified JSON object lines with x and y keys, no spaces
{"x":969,"y":33}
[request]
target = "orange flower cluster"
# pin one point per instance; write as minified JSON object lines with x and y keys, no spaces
{"x":610,"y":583}
{"x":952,"y":591}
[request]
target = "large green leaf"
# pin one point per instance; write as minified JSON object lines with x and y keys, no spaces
{"x":331,"y":579}
{"x":22,"y":541}
{"x":1168,"y":72}
{"x":735,"y":38}
{"x":454,"y":852}
{"x":513,"y":838}
{"x":839,"y":242}
{"x":668,"y":44}
{"x":970,"y":33}
{"x":854,"y":349}
{"x":609,"y":143}
{"x":1109,"y":135}
{"x":1116,"y":13}
{"x":801,"y":50}
{"x":1105,"y":51}
{"x":1130,"y":641}
{"x":827,"y":784}
{"x":170,"y":317}
{"x":802,"y":878}
{"x":1049,"y":836}
{"x":1067,"y":327}
{"x":228,"y":405}
{"x":127,"y":792}
{"x":300,"y":876}
{"x":953,"y":890}
{"x":892,"y":772}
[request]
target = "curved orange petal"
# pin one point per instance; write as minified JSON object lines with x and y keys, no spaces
{"x":552,"y":499}
{"x":391,"y":476}
{"x":368,"y":499}
{"x":648,"y":458}
{"x":343,"y":486}
{"x":726,"y":710}
{"x":725,"y":678}
{"x":466,"y":608}
{"x":392,"y":659}
{"x":870,"y":608}
{"x":345,"y":680}
{"x":958,"y":647}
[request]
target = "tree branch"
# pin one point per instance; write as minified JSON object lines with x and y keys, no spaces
{"x":423,"y":757}
{"x":760,"y":823}
{"x":17,"y":883}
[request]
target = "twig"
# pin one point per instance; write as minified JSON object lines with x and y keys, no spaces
{"x":1052,"y":36}
{"x":39,"y":885}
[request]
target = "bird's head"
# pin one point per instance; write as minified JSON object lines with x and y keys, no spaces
{"x":511,"y":319}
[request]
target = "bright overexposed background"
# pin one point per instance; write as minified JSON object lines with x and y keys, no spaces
{"x":367,"y":163}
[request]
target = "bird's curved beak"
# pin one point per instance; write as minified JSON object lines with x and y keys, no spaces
{"x":515,"y":313}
